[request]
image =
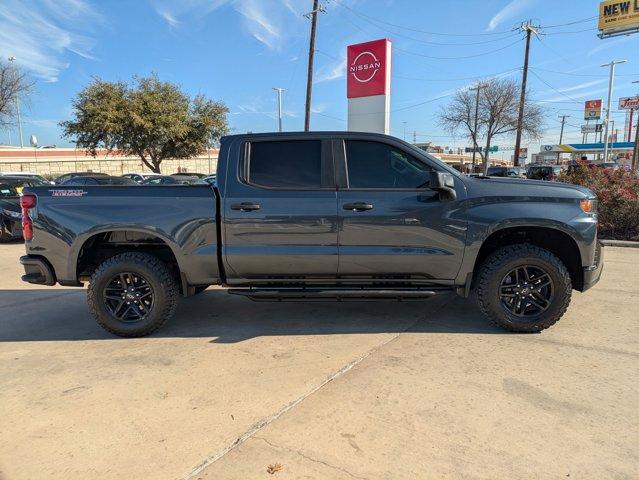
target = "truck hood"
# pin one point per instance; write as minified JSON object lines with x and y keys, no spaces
{"x":531,"y":188}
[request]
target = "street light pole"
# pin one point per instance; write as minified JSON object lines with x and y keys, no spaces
{"x":561,"y":135}
{"x":279,"y":107}
{"x":11,"y":60}
{"x":478,"y":87}
{"x":610,"y":87}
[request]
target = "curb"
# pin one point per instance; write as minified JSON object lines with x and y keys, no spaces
{"x":620,"y":243}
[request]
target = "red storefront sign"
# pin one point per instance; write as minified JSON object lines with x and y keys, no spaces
{"x":367,"y":68}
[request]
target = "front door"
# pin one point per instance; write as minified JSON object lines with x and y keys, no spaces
{"x":392,"y":227}
{"x":280,"y":213}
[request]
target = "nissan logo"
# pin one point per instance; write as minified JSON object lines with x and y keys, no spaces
{"x":364,"y":67}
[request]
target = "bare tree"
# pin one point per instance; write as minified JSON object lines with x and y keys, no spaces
{"x":498,"y":111}
{"x":13,"y":85}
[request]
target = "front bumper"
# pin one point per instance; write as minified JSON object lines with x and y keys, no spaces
{"x":592,"y":274}
{"x":37,"y":270}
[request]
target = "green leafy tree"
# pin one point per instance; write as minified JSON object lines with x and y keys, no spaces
{"x":149,"y":118}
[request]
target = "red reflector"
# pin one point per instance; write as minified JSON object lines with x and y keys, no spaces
{"x":28,"y":201}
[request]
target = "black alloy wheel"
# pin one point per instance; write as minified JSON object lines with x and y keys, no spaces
{"x":128,"y":297}
{"x":526,"y":291}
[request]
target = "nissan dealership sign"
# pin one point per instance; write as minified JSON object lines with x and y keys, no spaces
{"x":368,"y":86}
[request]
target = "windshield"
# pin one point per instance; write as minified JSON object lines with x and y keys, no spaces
{"x":8,"y":190}
{"x":540,"y":173}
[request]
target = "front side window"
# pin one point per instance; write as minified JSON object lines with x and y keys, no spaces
{"x":286,"y":164}
{"x":377,"y":165}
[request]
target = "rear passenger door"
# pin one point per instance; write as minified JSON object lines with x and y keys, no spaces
{"x":280,"y":212}
{"x":392,"y":226}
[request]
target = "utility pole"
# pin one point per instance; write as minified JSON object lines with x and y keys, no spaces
{"x":15,"y":71}
{"x":279,"y":107}
{"x":478,"y":88}
{"x":611,"y":81}
{"x":529,"y":29}
{"x":404,"y":131}
{"x":311,"y":54}
{"x":561,"y":135}
{"x":414,"y":137}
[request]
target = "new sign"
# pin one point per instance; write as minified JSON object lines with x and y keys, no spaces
{"x":368,"y":73}
{"x":592,"y":109}
{"x":618,"y":16}
{"x":628,"y":103}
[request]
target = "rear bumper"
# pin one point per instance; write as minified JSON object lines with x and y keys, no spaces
{"x":37,"y":270}
{"x":592,"y":274}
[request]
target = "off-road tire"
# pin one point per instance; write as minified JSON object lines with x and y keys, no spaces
{"x":155,"y":272}
{"x":503,"y":260}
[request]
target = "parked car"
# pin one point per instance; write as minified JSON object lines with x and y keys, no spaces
{"x":11,"y":188}
{"x":63,"y":178}
{"x":171,"y":180}
{"x":317,"y":216}
{"x":189,"y":174}
{"x":140,"y":177}
{"x":512,"y":172}
{"x":26,"y":175}
{"x":544,"y":172}
{"x":98,"y":180}
{"x":211,"y":180}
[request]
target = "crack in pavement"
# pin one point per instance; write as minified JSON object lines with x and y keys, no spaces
{"x":211,"y":459}
{"x":309,"y":458}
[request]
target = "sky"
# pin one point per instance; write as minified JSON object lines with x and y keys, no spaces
{"x":238,"y":50}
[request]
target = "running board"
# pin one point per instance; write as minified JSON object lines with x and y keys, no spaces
{"x":328,"y":294}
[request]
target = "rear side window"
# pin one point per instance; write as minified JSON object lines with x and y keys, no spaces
{"x":286,"y":164}
{"x":377,"y":165}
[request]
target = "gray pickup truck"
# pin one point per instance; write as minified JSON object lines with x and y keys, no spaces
{"x":317,"y":216}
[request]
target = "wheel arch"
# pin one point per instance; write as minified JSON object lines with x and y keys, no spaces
{"x":556,"y":240}
{"x":98,"y":245}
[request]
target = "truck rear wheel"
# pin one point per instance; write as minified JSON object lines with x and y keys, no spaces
{"x":523,"y":288}
{"x":132,"y":294}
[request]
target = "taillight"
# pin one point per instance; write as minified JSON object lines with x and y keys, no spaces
{"x":27,"y":202}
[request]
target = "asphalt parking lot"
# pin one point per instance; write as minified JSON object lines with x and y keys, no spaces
{"x":326,"y":390}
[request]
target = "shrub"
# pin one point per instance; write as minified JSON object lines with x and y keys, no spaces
{"x":618,"y":197}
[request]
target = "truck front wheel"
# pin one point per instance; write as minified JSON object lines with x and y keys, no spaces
{"x":132,"y":294}
{"x":523,"y":288}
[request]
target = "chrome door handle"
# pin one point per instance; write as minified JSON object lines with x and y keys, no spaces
{"x":245,"y":206}
{"x":358,"y":206}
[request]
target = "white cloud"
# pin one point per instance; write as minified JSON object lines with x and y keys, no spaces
{"x":41,"y":36}
{"x":267,"y":21}
{"x":331,"y":71}
{"x":606,"y":44}
{"x":506,"y":13}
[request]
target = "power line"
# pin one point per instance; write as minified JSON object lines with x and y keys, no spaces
{"x":583,"y":20}
{"x":553,"y":88}
{"x":460,"y":79}
{"x":460,"y":57}
{"x":583,"y":74}
{"x":376,"y":23}
{"x":403,"y":27}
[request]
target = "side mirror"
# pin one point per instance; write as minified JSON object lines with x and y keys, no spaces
{"x":444,"y":183}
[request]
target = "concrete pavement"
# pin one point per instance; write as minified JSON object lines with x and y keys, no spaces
{"x":349,"y":390}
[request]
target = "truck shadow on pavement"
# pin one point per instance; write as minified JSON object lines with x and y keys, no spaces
{"x":62,"y":315}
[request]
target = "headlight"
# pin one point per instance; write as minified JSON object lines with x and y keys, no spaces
{"x":588,"y":205}
{"x":12,"y":214}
